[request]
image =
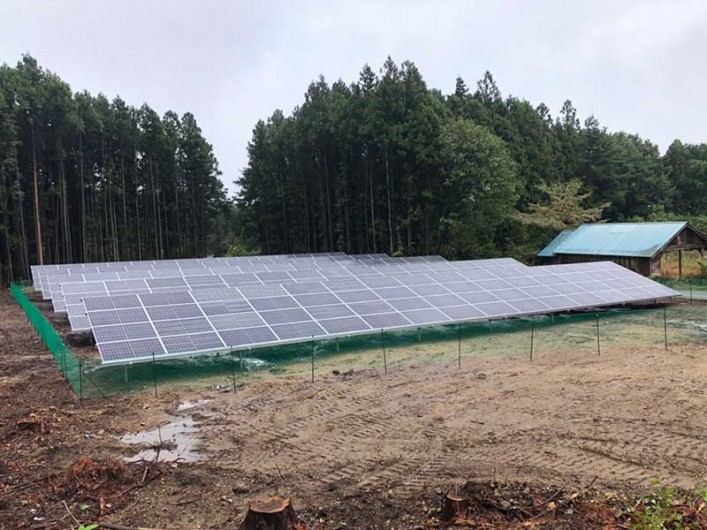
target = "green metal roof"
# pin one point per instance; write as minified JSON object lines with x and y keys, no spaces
{"x":550,"y":250}
{"x":614,"y":239}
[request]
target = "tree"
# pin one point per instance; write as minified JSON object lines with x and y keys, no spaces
{"x":563,"y":207}
{"x":480,"y":187}
{"x":104,"y":180}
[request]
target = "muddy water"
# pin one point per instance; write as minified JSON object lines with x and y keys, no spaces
{"x":177,"y":440}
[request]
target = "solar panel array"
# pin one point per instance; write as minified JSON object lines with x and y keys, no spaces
{"x":234,"y":303}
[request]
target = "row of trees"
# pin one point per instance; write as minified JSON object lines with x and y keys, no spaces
{"x":388,"y":165}
{"x":83,"y":178}
{"x":384,"y":164}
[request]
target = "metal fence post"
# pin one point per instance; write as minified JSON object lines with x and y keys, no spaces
{"x":385,"y":360}
{"x":233,"y":370}
{"x":312,"y":358}
{"x":532,"y":338}
{"x":80,"y":382}
{"x":154,"y":373}
{"x":598,"y":340}
{"x":459,"y":347}
{"x":690,"y":280}
{"x":665,"y":326}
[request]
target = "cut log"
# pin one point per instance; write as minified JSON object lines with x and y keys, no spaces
{"x":274,"y":513}
{"x":453,"y":507}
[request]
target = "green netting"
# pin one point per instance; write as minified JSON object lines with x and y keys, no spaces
{"x":69,"y":364}
{"x":684,"y":284}
{"x":585,"y":333}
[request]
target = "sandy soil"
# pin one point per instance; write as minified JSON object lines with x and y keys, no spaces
{"x":361,"y":448}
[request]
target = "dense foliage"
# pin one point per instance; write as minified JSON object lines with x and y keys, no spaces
{"x":388,"y":165}
{"x":87,"y":179}
{"x":384,"y":164}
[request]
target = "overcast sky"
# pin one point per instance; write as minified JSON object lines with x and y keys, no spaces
{"x":638,"y":66}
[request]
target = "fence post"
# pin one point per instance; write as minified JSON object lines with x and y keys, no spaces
{"x":665,"y":326}
{"x":80,"y":382}
{"x":312,"y":358}
{"x":598,"y":340}
{"x":459,"y":347}
{"x":385,"y":360}
{"x":62,"y":349}
{"x":233,"y":370}
{"x":154,"y":373}
{"x":690,"y":280}
{"x":532,"y":338}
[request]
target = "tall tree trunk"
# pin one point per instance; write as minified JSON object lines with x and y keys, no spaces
{"x":84,"y":243}
{"x":177,"y":221}
{"x":23,"y":231}
{"x":328,"y":203}
{"x":66,"y":221}
{"x":125,"y":240}
{"x":154,"y":212}
{"x":322,"y":206}
{"x":285,"y":227}
{"x":137,"y":206}
{"x":390,"y":208}
{"x":373,"y":210}
{"x":37,"y":221}
{"x":193,"y":215}
{"x":114,"y":229}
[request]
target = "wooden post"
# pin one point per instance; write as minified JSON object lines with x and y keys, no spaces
{"x":274,"y":513}
{"x":680,"y":263}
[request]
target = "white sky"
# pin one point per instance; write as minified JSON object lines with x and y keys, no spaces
{"x":637,"y":66}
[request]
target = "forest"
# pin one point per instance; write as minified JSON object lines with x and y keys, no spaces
{"x":86,"y":179}
{"x":386,"y":164}
{"x":383,"y":164}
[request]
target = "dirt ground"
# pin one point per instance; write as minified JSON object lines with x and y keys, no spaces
{"x":359,"y":449}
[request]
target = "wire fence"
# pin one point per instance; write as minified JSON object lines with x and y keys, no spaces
{"x":385,"y":350}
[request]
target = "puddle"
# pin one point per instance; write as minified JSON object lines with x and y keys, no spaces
{"x":188,"y":405}
{"x":176,"y":440}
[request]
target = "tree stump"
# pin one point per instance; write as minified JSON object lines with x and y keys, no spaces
{"x":453,"y":507}
{"x":274,"y":513}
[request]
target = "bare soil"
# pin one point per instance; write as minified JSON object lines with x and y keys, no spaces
{"x":580,"y":434}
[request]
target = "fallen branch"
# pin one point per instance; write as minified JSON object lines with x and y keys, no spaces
{"x":71,"y":514}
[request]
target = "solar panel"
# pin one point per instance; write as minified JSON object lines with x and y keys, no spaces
{"x":350,"y":324}
{"x":188,"y":306}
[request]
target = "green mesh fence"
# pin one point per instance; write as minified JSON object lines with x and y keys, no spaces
{"x":541,"y":336}
{"x":69,"y":364}
{"x":684,"y":284}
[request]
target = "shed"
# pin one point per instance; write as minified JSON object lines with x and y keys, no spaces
{"x":636,"y":246}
